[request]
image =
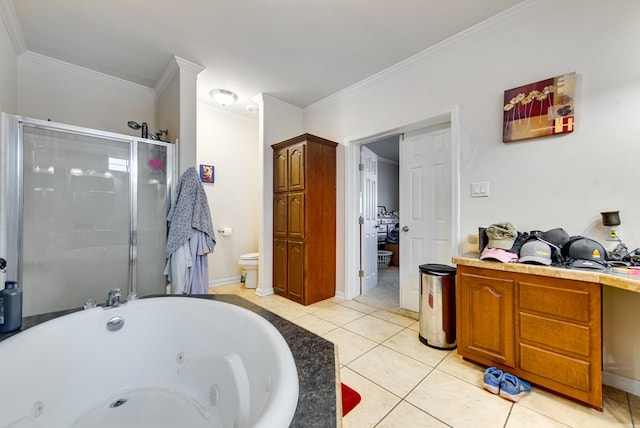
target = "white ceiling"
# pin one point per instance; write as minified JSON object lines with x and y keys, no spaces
{"x":299,"y":51}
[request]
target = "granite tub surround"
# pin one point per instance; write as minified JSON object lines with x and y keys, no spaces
{"x":618,"y":278}
{"x":314,"y":356}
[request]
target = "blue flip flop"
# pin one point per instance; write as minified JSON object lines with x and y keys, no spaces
{"x":513,"y":388}
{"x":492,"y":379}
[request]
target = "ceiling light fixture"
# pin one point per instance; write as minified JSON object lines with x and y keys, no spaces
{"x":223,"y":97}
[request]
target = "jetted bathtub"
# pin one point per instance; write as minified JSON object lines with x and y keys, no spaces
{"x":156,"y":362}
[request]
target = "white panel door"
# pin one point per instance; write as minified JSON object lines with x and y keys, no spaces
{"x":369,"y":213}
{"x":425,"y":207}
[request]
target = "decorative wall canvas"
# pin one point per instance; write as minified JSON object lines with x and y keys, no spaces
{"x":539,"y":109}
{"x":207,"y":173}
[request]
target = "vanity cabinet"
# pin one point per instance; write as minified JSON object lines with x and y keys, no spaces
{"x":486,"y":310}
{"x":543,"y":329}
{"x":304,"y":218}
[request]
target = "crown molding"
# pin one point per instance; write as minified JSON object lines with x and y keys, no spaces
{"x":185,"y":65}
{"x":165,"y":77}
{"x":176,"y":65}
{"x":264,"y":97}
{"x":470,"y":33}
{"x":36,"y":58}
{"x":8,"y":13}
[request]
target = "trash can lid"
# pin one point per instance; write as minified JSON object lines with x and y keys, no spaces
{"x":437,"y":269}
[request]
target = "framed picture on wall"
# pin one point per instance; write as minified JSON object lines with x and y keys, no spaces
{"x":539,"y":109}
{"x":207,"y":173}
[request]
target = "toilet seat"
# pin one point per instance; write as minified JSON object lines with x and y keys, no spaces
{"x":249,"y":257}
{"x":249,"y":262}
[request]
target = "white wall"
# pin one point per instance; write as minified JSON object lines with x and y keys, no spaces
{"x":168,"y":108}
{"x":279,"y":121}
{"x":187,"y":74}
{"x":229,"y":142}
{"x":64,"y":93}
{"x":8,"y":71}
{"x":563,"y":181}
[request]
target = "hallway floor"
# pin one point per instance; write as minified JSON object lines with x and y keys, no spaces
{"x":404,"y":383}
{"x":386,"y":295}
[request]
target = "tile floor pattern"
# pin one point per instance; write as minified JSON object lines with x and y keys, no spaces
{"x":404,"y":383}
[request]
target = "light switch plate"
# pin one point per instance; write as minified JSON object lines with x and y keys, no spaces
{"x":480,"y":189}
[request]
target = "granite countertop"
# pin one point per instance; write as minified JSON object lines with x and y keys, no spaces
{"x":315,"y":360}
{"x":625,"y":279}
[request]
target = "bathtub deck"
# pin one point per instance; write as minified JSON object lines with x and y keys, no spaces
{"x":314,"y":356}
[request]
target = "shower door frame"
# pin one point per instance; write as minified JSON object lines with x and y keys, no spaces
{"x":13,"y":196}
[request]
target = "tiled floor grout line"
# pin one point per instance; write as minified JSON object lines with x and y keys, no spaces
{"x":403,"y":398}
{"x":546,"y":416}
{"x":633,"y":424}
{"x":387,"y":414}
{"x":368,"y":338}
{"x":413,"y":389}
{"x":506,"y":421}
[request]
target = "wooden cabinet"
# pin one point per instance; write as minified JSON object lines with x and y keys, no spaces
{"x":545,"y":330}
{"x":486,"y":309}
{"x":304,"y":218}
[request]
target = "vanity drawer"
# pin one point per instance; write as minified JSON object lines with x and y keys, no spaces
{"x":571,"y":372}
{"x":556,"y":298}
{"x":559,"y":335}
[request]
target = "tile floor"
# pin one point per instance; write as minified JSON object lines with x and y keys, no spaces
{"x":404,"y":383}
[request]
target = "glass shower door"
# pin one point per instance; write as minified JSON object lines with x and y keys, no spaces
{"x":152,"y":207}
{"x":76,"y":218}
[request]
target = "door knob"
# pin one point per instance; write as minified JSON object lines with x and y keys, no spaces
{"x":405,"y":228}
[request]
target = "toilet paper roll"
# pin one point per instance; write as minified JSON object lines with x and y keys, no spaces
{"x":226,"y":231}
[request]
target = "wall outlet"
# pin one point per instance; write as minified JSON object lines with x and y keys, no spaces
{"x":612,"y":233}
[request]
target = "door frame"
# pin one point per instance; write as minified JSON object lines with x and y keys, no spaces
{"x":449,"y":115}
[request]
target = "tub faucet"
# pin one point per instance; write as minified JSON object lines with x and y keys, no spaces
{"x":113,"y":299}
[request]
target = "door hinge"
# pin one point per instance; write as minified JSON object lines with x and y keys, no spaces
{"x":361,"y":220}
{"x":361,"y":273}
{"x":360,"y":167}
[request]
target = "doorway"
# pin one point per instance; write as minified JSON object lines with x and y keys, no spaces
{"x":410,"y":285}
{"x":379,"y":248}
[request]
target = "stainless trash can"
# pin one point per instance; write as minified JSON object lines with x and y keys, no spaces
{"x":437,"y":316}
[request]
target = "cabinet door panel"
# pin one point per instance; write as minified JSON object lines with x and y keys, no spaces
{"x":280,"y":213}
{"x":295,"y":284}
{"x":296,"y":167}
{"x":280,"y":252}
{"x":295,"y":208}
{"x":280,"y":171}
{"x":486,"y":318}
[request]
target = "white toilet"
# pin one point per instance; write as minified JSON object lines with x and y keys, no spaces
{"x":249,"y":262}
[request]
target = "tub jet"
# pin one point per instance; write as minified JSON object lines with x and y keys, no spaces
{"x":119,"y":402}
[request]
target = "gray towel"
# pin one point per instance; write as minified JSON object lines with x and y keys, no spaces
{"x":190,"y":211}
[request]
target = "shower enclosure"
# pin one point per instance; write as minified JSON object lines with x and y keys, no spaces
{"x":84,"y":211}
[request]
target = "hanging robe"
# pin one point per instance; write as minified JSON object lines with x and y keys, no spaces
{"x":191,"y":229}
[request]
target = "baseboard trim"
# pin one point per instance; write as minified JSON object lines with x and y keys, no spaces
{"x":262,"y":292}
{"x":622,"y":383}
{"x":340,"y":295}
{"x":224,"y":281}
